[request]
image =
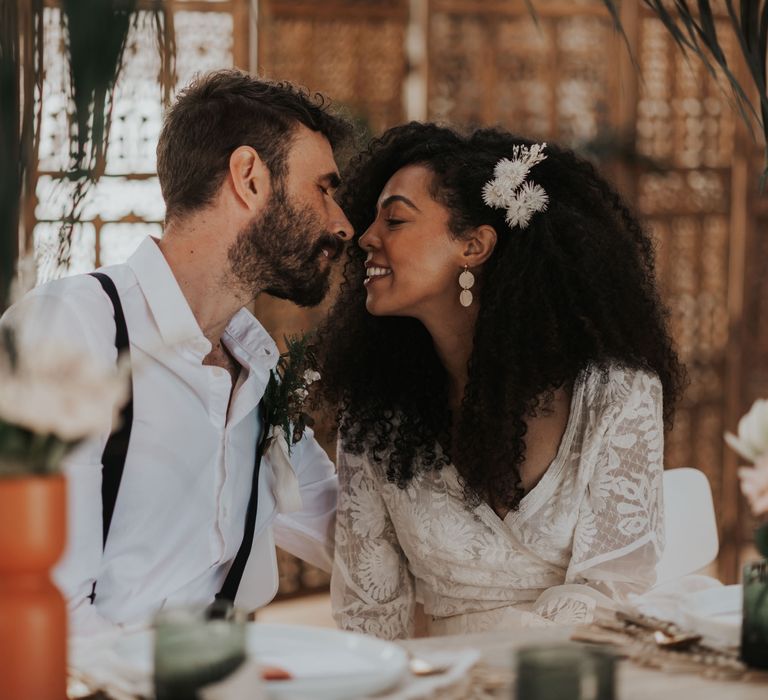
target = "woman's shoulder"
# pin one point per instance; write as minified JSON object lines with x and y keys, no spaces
{"x":356,"y":448}
{"x":615,"y":384}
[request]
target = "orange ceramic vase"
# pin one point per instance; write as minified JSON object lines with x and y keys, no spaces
{"x":33,"y":618}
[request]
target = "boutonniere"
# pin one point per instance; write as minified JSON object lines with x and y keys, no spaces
{"x":284,"y":399}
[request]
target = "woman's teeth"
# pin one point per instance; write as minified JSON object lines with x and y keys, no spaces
{"x":374,"y":272}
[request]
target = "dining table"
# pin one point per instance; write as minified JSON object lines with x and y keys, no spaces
{"x":633,"y":681}
{"x":491,"y":671}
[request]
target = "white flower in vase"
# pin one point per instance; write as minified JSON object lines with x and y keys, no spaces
{"x":751,"y":442}
{"x":52,"y":399}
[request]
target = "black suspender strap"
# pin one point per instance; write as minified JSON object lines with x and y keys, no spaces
{"x":232,"y":582}
{"x":116,"y":449}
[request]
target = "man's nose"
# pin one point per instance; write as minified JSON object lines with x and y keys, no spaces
{"x":341,"y":226}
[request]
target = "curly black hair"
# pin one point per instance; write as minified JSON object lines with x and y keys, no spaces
{"x":575,"y":289}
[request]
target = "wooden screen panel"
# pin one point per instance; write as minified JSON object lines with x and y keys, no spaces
{"x":351,"y":50}
{"x":755,"y":326}
{"x":125,"y":204}
{"x":756,"y":306}
{"x":694,"y":200}
{"x":489,"y":63}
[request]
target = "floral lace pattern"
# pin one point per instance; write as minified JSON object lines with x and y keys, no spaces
{"x":588,"y":533}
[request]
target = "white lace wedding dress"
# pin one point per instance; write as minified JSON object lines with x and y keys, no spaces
{"x":588,"y":533}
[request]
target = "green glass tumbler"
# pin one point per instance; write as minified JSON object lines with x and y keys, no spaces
{"x":196,"y":646}
{"x":754,"y":624}
{"x":565,"y":672}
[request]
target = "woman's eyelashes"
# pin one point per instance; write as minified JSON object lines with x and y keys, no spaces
{"x":393,"y":222}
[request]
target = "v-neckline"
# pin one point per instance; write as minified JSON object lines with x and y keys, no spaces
{"x":546,"y":484}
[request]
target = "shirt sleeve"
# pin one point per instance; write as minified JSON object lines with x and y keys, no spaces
{"x":308,"y":533}
{"x":372,"y":589}
{"x":75,"y":314}
{"x":618,"y":538}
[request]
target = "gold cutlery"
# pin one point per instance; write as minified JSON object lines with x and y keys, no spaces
{"x":680,"y":641}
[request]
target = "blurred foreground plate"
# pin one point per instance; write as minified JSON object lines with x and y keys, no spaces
{"x":325,"y":664}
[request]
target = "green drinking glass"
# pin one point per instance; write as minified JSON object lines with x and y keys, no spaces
{"x":565,"y":672}
{"x":754,"y":625}
{"x":196,"y":646}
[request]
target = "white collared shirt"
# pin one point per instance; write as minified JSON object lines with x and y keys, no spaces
{"x":180,"y":512}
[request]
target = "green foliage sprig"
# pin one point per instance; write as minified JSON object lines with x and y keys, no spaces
{"x":288,"y":389}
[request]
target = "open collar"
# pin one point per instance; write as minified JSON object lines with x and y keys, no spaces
{"x":245,"y":337}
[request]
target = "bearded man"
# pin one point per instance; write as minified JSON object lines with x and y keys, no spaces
{"x":180,"y":506}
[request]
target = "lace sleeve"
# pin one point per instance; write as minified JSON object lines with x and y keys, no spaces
{"x":619,"y":534}
{"x":371,"y":586}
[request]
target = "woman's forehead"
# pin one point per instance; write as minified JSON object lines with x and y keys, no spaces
{"x":412,"y":182}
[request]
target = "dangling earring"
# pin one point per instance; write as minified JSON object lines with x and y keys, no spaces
{"x":466,"y":282}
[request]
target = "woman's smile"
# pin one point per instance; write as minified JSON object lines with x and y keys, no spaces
{"x":374,"y":273}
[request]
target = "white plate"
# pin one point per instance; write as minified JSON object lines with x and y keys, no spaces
{"x":325,"y":663}
{"x":715,"y":614}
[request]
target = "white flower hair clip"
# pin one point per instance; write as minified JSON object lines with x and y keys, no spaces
{"x":509,"y":189}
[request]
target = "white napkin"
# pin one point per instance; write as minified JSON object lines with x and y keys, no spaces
{"x":94,"y":661}
{"x":667,"y":602}
{"x":286,"y":484}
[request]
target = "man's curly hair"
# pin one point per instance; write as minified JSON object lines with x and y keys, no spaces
{"x":576,"y":288}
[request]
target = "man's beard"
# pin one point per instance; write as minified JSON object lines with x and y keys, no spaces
{"x":279,"y":253}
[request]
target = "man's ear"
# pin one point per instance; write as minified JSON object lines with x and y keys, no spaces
{"x":250,"y":176}
{"x":479,"y":246}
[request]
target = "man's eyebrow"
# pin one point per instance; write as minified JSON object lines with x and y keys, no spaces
{"x":398,"y":198}
{"x":332,"y":179}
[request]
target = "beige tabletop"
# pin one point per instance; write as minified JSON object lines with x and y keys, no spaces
{"x":634,"y":682}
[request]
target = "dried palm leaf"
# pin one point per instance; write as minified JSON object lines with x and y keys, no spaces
{"x":694,"y":29}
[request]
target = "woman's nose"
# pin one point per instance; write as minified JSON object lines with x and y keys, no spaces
{"x":369,"y":240}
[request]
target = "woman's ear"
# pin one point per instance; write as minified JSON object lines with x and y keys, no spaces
{"x":251,"y":182}
{"x":479,"y":246}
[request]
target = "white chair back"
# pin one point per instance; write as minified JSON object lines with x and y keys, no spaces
{"x":690,"y":524}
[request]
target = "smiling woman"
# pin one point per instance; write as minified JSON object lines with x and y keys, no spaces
{"x":410,"y":258}
{"x":500,"y":454}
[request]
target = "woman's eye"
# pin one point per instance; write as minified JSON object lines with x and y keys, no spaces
{"x":394,"y":222}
